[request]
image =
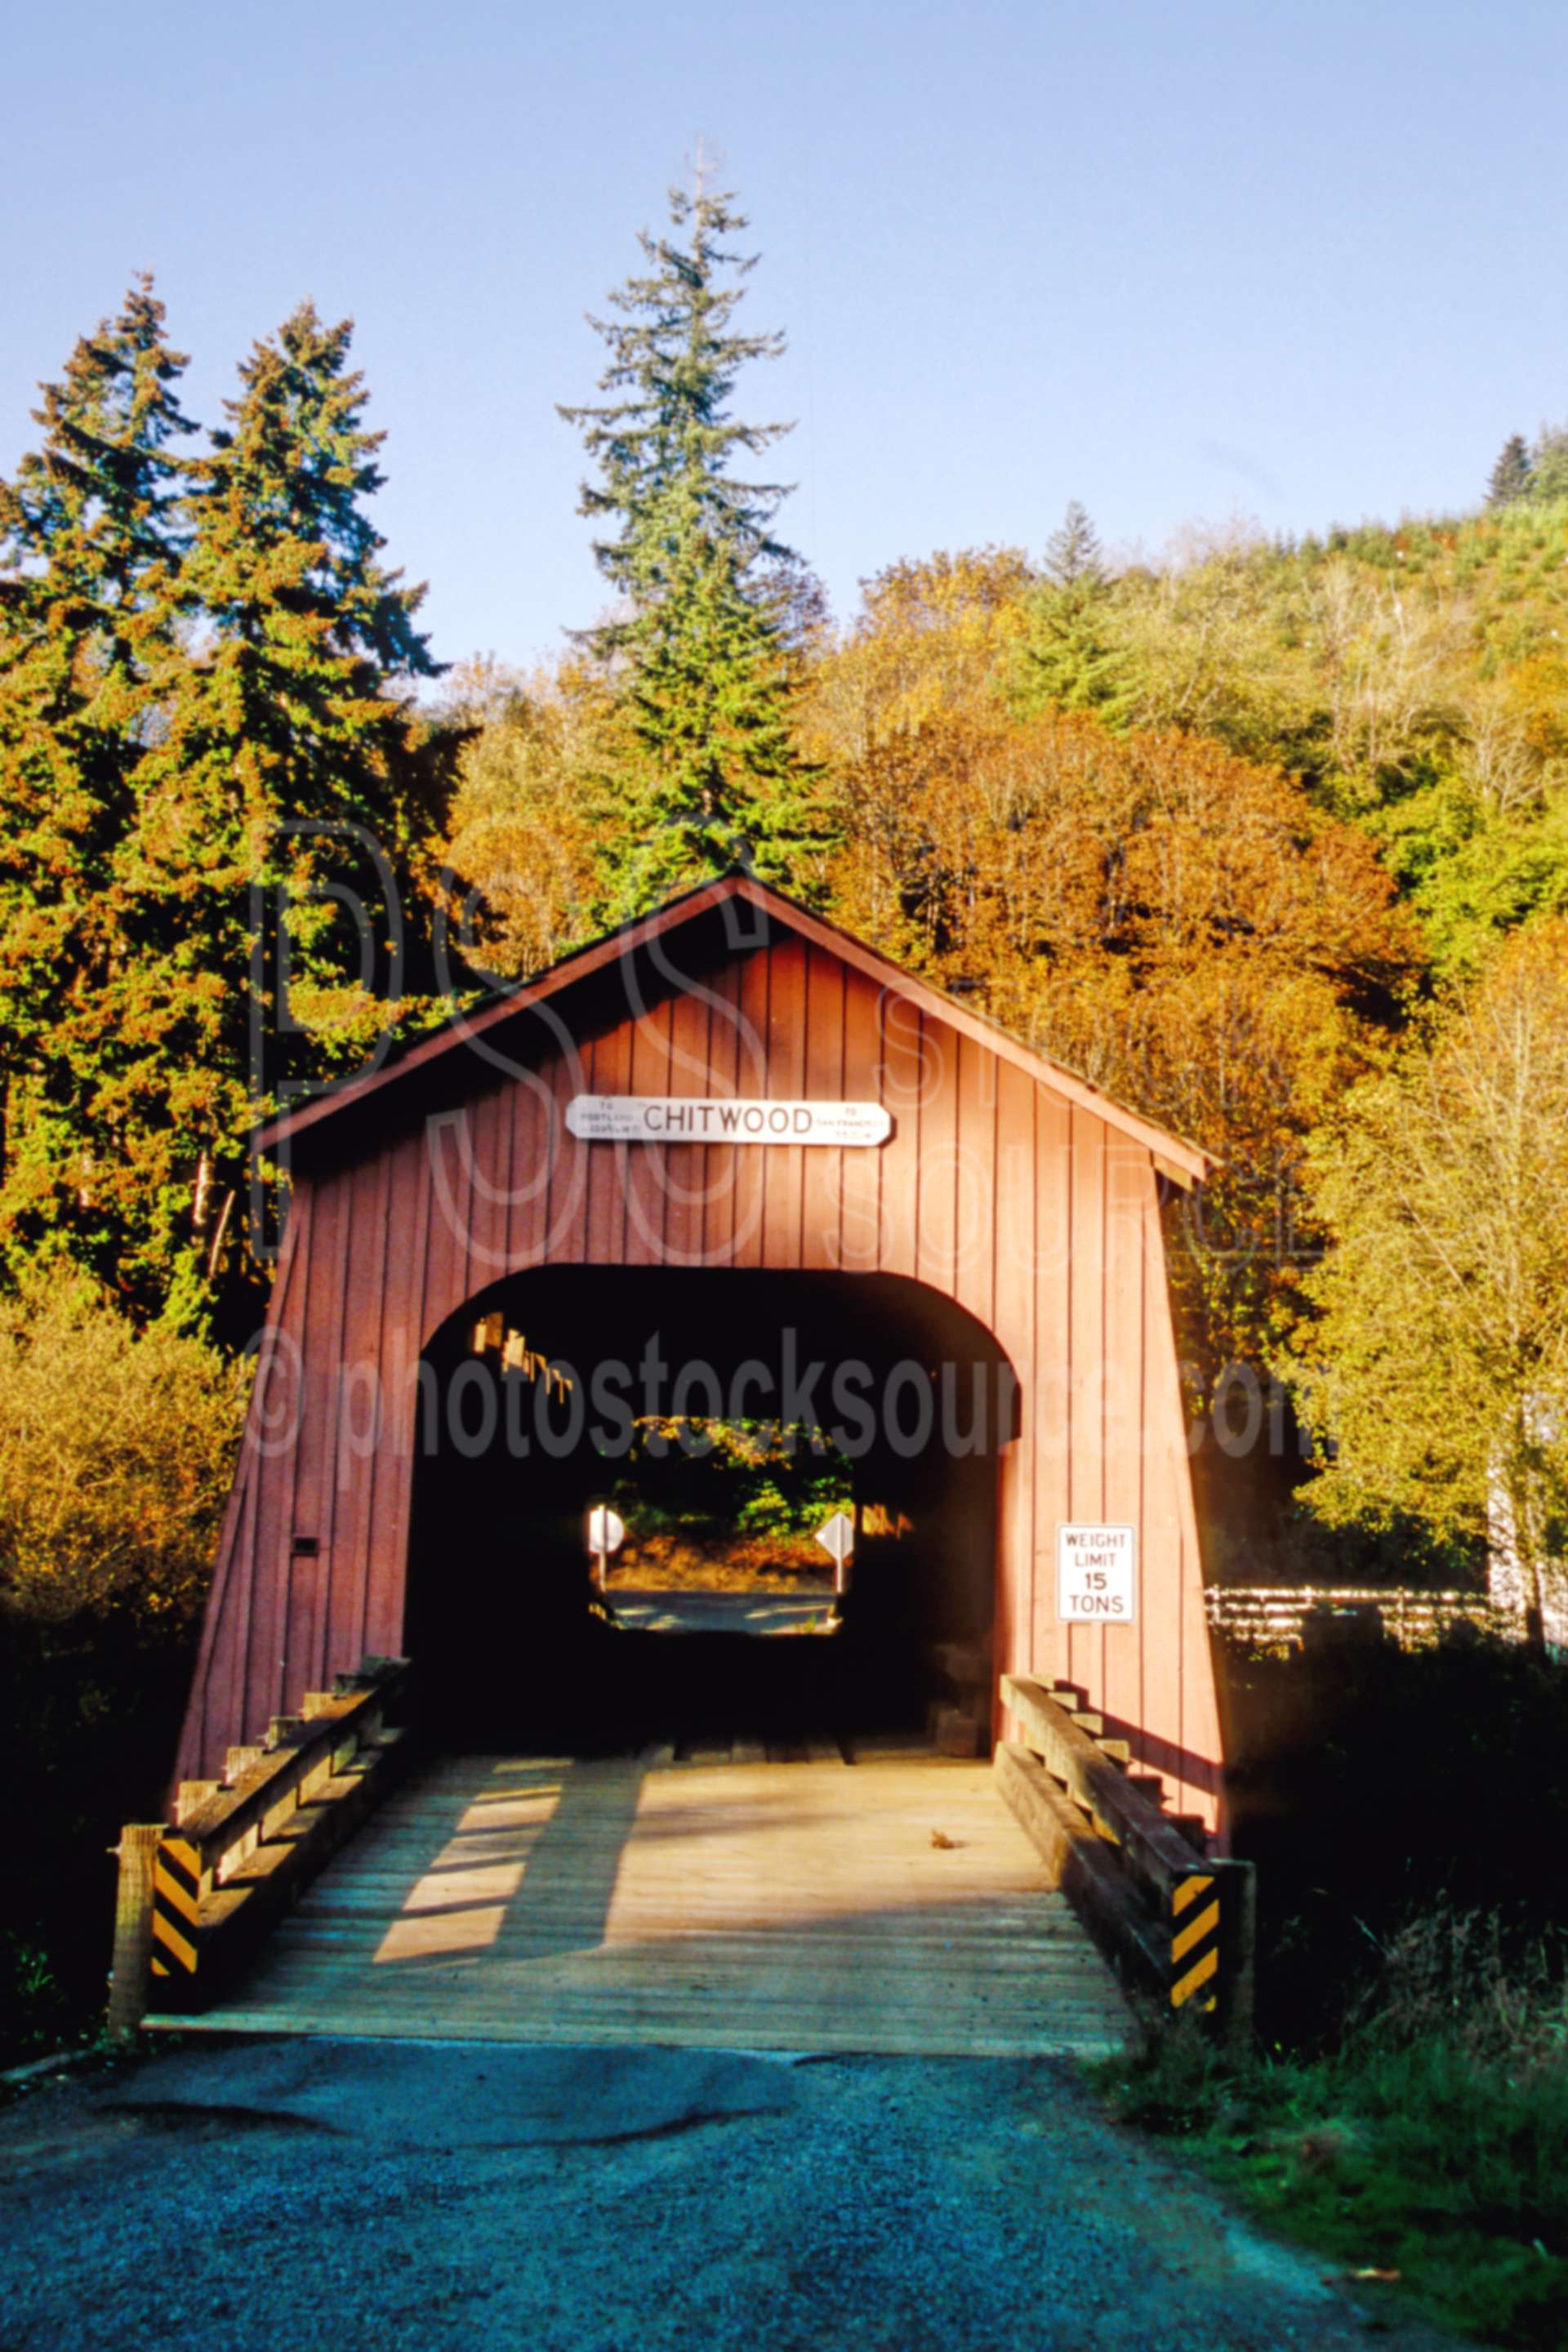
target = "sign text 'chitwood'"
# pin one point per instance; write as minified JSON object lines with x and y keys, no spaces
{"x":697,"y":1118}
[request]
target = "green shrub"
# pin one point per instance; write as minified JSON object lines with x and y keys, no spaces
{"x":116,"y":1449}
{"x":1428,"y":2142}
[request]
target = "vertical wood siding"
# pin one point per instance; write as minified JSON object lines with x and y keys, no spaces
{"x":1029,"y":1211}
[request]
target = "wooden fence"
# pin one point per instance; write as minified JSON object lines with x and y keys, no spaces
{"x":1180,"y":1923}
{"x":196,"y":1896}
{"x":1277,"y":1618}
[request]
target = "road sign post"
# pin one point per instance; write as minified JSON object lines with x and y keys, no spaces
{"x":607,"y":1533}
{"x":838,"y":1540}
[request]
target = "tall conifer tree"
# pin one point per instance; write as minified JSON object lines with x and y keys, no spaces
{"x":203,"y":681}
{"x":89,"y":548}
{"x":286,"y":720}
{"x":1069,"y":660}
{"x":711,"y":774}
{"x":1513,"y":476}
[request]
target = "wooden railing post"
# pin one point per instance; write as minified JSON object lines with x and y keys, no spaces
{"x":130,"y":1984}
{"x":191,"y":1796}
{"x":241,"y":1849}
{"x":1181,"y":1920}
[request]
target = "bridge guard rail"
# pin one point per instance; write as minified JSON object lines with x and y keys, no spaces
{"x":196,"y":1897}
{"x":1180,"y":1925}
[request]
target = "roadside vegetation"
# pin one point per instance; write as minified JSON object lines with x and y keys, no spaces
{"x":1404,"y":2108}
{"x":1422,"y":2148}
{"x":115,"y":1452}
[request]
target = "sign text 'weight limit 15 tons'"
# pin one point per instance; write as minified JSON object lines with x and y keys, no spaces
{"x":1097,"y":1575}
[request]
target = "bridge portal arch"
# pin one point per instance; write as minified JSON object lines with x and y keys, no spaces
{"x":529,"y":1398}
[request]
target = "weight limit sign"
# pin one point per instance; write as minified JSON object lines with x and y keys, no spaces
{"x":1097,"y":1575}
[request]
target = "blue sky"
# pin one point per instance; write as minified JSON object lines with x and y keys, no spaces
{"x":1302,"y":263}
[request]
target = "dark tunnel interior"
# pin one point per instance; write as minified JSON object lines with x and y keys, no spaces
{"x":510,"y":1645}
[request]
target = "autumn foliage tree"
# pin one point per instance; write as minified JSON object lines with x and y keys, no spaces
{"x":526,"y":832}
{"x":1436,"y":1364}
{"x":1186,"y":928}
{"x":115,"y":1452}
{"x":1177,"y":924}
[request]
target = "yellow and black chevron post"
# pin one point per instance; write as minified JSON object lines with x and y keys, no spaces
{"x":179,"y":1883}
{"x":1212,"y":1929}
{"x":1195,"y":1941}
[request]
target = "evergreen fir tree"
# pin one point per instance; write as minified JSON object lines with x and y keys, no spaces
{"x":190,"y":669}
{"x":298,"y":693}
{"x":89,"y":548}
{"x":1069,"y":660}
{"x":1512,"y":475}
{"x":711,"y":774}
{"x":1072,"y":558}
{"x":286,"y":720}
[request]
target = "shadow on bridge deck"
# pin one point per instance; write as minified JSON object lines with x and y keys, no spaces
{"x":723,"y":1902}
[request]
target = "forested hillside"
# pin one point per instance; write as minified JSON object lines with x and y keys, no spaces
{"x":1412,"y":679}
{"x":1245,"y":832}
{"x":1231,"y":833}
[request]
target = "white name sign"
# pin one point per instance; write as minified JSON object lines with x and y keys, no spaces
{"x":1097,"y":1575}
{"x":696,"y":1118}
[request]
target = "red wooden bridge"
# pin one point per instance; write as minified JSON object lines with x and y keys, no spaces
{"x":728,"y":1161}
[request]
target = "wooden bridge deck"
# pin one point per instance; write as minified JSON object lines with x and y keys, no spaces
{"x":724,"y":1903}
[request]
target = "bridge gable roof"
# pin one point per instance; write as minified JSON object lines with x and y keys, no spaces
{"x":740,"y":892}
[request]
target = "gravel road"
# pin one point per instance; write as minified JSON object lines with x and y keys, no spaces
{"x":242,"y":2196}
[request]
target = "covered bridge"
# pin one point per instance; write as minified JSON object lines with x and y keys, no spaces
{"x":725,"y":1144}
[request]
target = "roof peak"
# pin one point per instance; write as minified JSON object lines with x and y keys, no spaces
{"x":737,"y":889}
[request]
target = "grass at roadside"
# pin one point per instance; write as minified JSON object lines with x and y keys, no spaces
{"x":1427,"y":2144}
{"x":37,"y":2014}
